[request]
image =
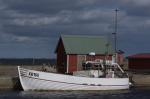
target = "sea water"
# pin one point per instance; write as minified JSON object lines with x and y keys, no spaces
{"x":134,"y":93}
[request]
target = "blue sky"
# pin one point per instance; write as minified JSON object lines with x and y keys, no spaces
{"x":31,"y":28}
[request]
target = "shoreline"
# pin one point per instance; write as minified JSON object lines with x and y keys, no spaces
{"x":141,"y":80}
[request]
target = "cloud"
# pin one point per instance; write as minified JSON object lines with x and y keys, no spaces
{"x":41,"y":6}
{"x":36,"y":25}
{"x":136,"y":7}
{"x":35,"y":21}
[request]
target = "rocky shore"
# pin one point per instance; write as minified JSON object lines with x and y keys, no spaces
{"x":141,"y":80}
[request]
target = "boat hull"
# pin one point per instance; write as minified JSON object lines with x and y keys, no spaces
{"x":37,"y":80}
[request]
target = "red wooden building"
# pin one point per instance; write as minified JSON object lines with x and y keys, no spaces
{"x":73,"y":50}
{"x":139,"y":61}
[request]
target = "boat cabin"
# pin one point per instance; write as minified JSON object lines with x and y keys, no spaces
{"x":101,"y":69}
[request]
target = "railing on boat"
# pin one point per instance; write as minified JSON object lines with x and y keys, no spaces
{"x":111,"y":70}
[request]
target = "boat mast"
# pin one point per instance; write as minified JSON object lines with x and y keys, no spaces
{"x":115,"y":33}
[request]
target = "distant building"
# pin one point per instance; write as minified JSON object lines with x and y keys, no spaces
{"x":73,"y":50}
{"x":139,"y":61}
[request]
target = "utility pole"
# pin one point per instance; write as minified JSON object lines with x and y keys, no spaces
{"x":115,"y":33}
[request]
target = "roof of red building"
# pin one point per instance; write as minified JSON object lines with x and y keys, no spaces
{"x":82,"y":44}
{"x":140,"y":55}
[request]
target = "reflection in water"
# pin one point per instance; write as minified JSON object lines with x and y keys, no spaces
{"x":137,"y":93}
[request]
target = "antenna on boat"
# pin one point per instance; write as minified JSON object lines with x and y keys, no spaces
{"x":107,"y":49}
{"x":115,"y":33}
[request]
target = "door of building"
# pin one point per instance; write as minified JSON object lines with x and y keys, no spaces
{"x":80,"y":60}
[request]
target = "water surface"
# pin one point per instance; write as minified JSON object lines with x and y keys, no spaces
{"x":134,"y":93}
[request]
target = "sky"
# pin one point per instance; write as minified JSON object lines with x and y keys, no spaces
{"x":31,"y":28}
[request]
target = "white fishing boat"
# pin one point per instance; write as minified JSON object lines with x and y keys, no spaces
{"x":108,"y":76}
